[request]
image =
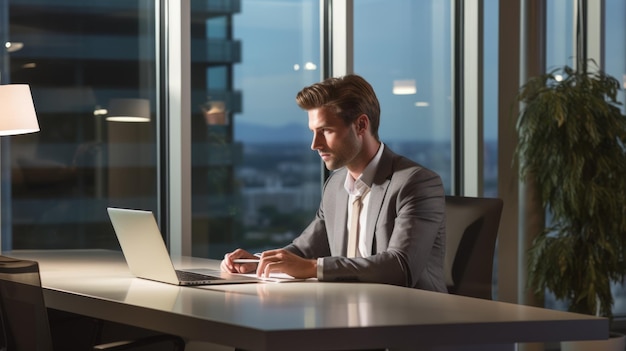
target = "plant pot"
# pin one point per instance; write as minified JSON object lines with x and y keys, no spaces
{"x":615,"y":342}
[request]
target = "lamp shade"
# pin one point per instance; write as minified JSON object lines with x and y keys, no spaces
{"x":129,"y":110}
{"x":17,"y":111}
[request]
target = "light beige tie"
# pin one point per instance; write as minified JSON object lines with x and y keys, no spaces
{"x":353,"y":231}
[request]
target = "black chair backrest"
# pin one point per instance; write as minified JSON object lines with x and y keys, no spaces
{"x":471,"y":233}
{"x":25,"y":324}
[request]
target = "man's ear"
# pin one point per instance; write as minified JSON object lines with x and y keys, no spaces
{"x":362,"y":123}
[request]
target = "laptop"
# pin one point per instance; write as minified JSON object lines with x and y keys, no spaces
{"x":147,"y":257}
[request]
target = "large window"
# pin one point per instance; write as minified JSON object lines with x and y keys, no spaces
{"x":256,"y":183}
{"x":560,"y":51}
{"x":85,"y":62}
{"x":403,"y":48}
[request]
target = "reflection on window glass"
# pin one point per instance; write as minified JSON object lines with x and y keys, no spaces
{"x":255,"y":181}
{"x":406,"y":57}
{"x":81,"y":70}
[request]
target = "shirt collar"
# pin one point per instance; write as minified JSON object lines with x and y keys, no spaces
{"x":359,"y":186}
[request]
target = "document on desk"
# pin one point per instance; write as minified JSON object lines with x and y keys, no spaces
{"x":273,"y":278}
{"x":276,"y":278}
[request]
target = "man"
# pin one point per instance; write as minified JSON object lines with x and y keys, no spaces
{"x":401,"y":226}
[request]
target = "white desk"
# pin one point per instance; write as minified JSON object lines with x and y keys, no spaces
{"x":294,"y":316}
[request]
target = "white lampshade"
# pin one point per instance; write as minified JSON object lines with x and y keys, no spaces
{"x":17,"y":111}
{"x":129,"y":110}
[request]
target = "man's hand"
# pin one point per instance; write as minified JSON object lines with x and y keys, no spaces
{"x":283,"y":261}
{"x":227,"y":264}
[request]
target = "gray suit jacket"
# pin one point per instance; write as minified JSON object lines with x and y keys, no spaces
{"x":405,"y":224}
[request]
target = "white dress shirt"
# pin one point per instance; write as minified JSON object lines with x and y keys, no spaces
{"x":355,"y":187}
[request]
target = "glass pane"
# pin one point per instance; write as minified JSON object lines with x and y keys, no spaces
{"x":255,"y":181}
{"x":490,"y":106}
{"x":490,"y":100}
{"x":559,"y":34}
{"x":409,"y":47}
{"x":85,"y":61}
{"x":615,"y":65}
{"x":615,"y":44}
{"x":559,"y":52}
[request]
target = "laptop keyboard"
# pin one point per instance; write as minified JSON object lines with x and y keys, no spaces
{"x":185,"y":276}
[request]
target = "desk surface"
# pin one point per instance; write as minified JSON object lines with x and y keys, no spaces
{"x":296,"y":315}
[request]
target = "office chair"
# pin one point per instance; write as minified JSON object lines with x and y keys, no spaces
{"x":24,"y":316}
{"x":471,"y":233}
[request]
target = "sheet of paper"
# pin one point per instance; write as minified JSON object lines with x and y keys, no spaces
{"x":278,"y":278}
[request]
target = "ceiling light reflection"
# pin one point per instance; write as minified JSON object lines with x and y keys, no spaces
{"x":308,"y":66}
{"x":129,"y":110}
{"x":99,"y":111}
{"x":404,"y":87}
{"x":13,"y":46}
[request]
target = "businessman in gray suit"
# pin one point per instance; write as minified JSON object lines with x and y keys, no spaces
{"x":400,"y":229}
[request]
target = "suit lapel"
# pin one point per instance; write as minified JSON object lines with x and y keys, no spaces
{"x":341,"y":241}
{"x":377,"y":195}
{"x":340,"y":214}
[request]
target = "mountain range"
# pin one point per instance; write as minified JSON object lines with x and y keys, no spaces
{"x":258,"y":133}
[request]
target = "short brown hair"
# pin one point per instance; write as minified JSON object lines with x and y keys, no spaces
{"x":348,"y":97}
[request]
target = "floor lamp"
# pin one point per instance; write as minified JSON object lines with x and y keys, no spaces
{"x":17,"y":115}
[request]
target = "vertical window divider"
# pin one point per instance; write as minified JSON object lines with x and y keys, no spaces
{"x":342,"y":37}
{"x":470,"y":122}
{"x":177,"y":157}
{"x":595,"y":43}
{"x":337,"y":44}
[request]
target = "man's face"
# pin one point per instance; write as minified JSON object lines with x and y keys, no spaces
{"x":337,"y":143}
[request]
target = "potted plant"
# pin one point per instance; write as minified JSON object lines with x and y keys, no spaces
{"x":572,"y":137}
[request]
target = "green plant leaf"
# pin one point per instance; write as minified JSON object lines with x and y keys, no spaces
{"x":571,"y":137}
